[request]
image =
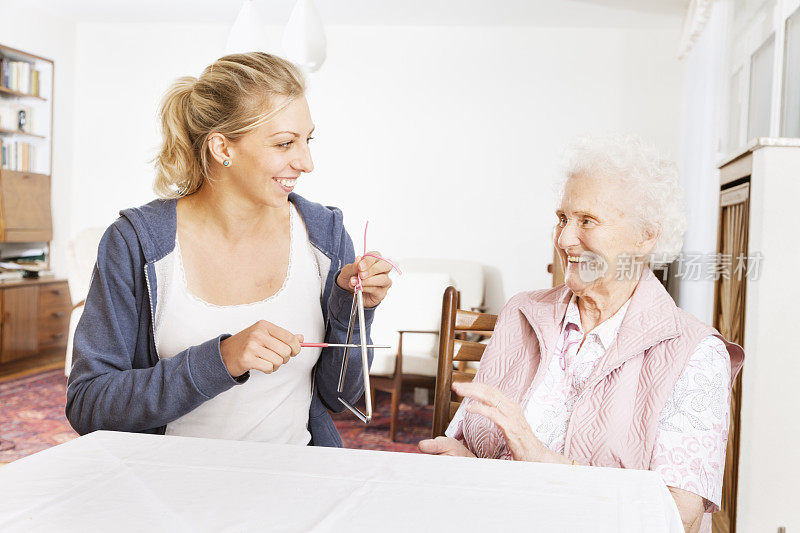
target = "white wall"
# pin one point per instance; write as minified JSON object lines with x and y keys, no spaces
{"x":53,"y":38}
{"x":447,"y":139}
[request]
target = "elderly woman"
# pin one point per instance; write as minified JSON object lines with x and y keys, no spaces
{"x":605,"y":370}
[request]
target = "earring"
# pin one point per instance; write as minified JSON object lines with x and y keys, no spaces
{"x":226,"y":163}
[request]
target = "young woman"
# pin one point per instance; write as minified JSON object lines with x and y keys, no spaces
{"x":199,"y":300}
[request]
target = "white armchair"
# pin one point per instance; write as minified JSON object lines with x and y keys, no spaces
{"x":81,"y":258}
{"x":409,"y":318}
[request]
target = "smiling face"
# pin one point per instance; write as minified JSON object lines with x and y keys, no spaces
{"x":267,"y":162}
{"x":596,"y":233}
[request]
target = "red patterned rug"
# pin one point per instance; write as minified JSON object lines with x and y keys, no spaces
{"x":32,"y":419}
{"x":32,"y":414}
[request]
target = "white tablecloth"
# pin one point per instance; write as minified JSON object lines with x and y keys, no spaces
{"x":119,"y":482}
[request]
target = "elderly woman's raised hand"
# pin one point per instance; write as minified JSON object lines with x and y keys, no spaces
{"x":375,"y":279}
{"x":508,"y":416}
{"x":444,"y":446}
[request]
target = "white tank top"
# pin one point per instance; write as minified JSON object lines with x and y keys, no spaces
{"x":267,"y":407}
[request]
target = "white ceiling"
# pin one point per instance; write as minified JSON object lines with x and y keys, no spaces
{"x":581,"y":13}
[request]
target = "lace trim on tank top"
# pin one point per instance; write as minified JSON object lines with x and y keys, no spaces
{"x":185,"y":285}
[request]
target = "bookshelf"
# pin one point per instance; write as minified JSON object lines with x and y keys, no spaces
{"x":26,"y":87}
{"x":26,"y":139}
{"x":34,"y":313}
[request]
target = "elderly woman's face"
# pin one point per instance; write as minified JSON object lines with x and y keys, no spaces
{"x":594,"y":235}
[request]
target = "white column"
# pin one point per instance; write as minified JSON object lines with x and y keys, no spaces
{"x":704,"y":98}
{"x":769,"y":457}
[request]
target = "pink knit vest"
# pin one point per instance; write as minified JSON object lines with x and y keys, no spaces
{"x":615,"y":421}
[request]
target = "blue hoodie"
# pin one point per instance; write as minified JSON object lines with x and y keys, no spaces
{"x":117,"y":381}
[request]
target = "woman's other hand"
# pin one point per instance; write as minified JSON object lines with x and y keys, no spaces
{"x":263,"y":346}
{"x":444,"y":446}
{"x":508,"y":416}
{"x":374,"y":277}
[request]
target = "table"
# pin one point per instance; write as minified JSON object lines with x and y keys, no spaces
{"x":109,"y":481}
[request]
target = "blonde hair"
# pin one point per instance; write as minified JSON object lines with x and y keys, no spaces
{"x":233,"y":96}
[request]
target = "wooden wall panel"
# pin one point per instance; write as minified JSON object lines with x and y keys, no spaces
{"x":25,"y":206}
{"x":729,"y":313}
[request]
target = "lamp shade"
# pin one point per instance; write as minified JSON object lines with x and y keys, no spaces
{"x":304,"y":41}
{"x":247,"y":33}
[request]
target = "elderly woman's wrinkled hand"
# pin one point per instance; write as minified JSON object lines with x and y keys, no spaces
{"x":444,"y":446}
{"x":508,"y":416}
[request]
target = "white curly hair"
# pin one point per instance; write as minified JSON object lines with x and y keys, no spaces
{"x":652,"y":180}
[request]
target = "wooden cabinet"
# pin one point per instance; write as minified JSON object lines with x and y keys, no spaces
{"x":25,"y":207}
{"x":53,"y":316}
{"x":35,"y":318}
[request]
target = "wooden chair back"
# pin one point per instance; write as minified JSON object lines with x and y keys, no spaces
{"x":454,"y":347}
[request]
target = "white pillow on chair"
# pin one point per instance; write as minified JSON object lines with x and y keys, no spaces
{"x":414,"y":302}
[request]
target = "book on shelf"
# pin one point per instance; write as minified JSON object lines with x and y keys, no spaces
{"x":11,"y":251}
{"x":23,"y":258}
{"x":8,"y":275}
{"x":23,"y":266}
{"x":17,"y":155}
{"x":19,"y":76}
